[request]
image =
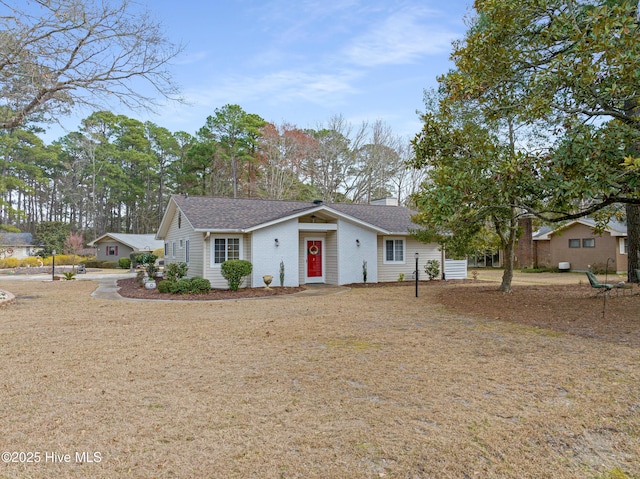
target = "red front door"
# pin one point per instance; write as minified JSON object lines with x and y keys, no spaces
{"x":314,"y":259}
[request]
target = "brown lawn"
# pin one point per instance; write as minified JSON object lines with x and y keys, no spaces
{"x":462,"y":382}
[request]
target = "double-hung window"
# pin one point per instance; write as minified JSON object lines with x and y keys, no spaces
{"x":187,"y":253}
{"x":225,"y":249}
{"x":394,"y":251}
{"x":574,"y":243}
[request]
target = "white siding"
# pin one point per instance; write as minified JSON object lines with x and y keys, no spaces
{"x":266,"y":256}
{"x":391,"y":272}
{"x":351,"y":256}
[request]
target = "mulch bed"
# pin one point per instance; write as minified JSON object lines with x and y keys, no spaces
{"x":572,"y":309}
{"x":130,"y":288}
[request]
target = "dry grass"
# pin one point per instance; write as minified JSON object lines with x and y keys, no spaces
{"x":370,"y":383}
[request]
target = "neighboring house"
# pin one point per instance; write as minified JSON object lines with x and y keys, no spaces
{"x":113,"y":246}
{"x":576,"y":244}
{"x":17,"y":245}
{"x":316,"y":242}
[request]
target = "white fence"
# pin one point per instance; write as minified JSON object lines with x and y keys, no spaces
{"x":455,"y":269}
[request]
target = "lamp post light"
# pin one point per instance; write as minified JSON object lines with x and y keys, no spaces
{"x":53,"y":266}
{"x":417,"y":273}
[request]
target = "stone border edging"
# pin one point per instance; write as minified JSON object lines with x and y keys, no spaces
{"x":6,"y":297}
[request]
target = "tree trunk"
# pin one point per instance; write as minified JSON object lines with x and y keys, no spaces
{"x":633,"y":235}
{"x":509,"y":255}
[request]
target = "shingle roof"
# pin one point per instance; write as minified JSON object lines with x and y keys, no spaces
{"x":615,"y":228}
{"x":16,"y":239}
{"x":136,"y":242}
{"x":228,"y":214}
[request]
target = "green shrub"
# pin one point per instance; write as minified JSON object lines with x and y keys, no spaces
{"x":176,"y":271}
{"x":432,"y":268}
{"x":124,"y":263}
{"x":101,"y":264}
{"x":180,"y":287}
{"x":164,"y":286}
{"x":282,"y":274}
{"x":234,"y":271}
{"x":69,"y":275}
{"x":200,"y":285}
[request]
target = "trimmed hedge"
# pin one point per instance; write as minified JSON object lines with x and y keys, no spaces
{"x":124,"y":263}
{"x":234,"y":271}
{"x":94,"y":263}
{"x":185,"y":286}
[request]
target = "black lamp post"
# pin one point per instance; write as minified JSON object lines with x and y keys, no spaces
{"x":417,"y":254}
{"x":53,"y":265}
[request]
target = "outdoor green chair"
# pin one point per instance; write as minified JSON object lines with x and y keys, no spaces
{"x":605,"y":287}
{"x":601,"y":287}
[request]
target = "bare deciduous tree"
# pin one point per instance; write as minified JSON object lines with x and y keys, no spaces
{"x":57,"y":54}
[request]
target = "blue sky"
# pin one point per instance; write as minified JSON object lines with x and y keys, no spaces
{"x":306,"y":60}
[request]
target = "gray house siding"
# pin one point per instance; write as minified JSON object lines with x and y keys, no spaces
{"x":176,"y":246}
{"x":212,"y":270}
{"x":103,"y":247}
{"x":391,"y":271}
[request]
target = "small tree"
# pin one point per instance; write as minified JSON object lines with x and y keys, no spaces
{"x":73,"y":245}
{"x":148,"y":260}
{"x":234,"y":271}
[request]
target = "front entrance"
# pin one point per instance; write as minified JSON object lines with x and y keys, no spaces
{"x":315,"y":260}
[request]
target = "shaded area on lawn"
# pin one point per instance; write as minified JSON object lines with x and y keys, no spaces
{"x":572,"y":309}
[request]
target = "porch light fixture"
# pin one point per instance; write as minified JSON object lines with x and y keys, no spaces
{"x":358,"y":243}
{"x":277,"y":242}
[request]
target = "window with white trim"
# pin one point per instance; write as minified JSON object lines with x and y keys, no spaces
{"x":173,"y":249}
{"x":624,"y":245}
{"x":186,"y":252}
{"x":224,"y":249}
{"x":394,"y":251}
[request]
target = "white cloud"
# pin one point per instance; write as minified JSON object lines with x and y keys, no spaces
{"x":278,"y":87}
{"x":401,"y":38}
